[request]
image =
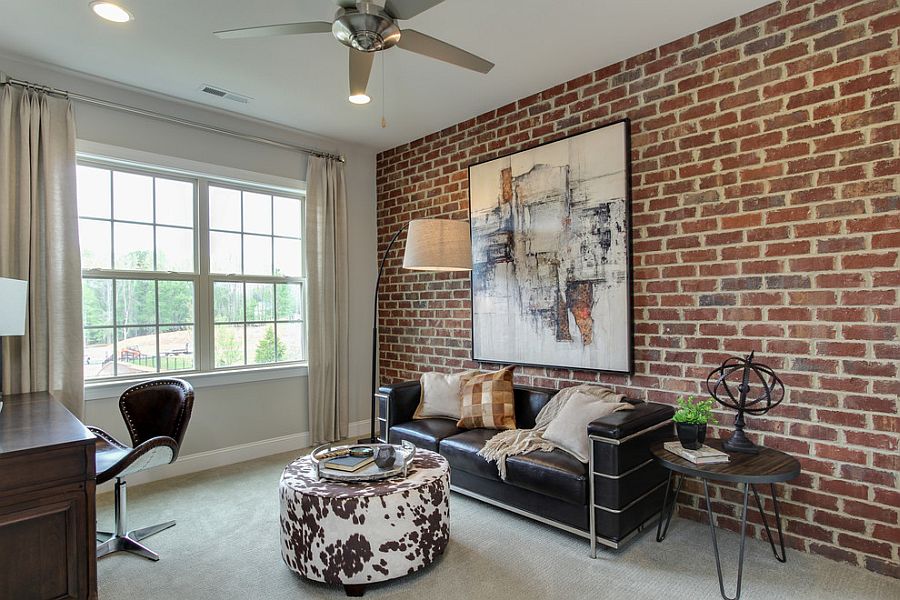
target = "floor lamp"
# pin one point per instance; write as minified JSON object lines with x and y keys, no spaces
{"x":13,"y":302}
{"x":431,"y":245}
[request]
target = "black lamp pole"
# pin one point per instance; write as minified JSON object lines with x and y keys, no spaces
{"x":387,"y":252}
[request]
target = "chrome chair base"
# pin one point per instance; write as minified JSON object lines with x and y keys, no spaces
{"x":127,"y":541}
{"x":130,"y":542}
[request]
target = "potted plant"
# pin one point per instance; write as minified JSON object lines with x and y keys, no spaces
{"x":691,"y":419}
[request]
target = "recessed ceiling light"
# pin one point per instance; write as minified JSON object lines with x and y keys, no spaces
{"x":359,"y":99}
{"x":111,"y":12}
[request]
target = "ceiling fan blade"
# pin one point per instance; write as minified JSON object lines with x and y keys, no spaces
{"x":360,"y":67}
{"x":417,"y":42}
{"x":273,"y":30}
{"x":407,"y":9}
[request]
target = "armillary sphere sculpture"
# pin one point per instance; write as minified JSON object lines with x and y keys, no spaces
{"x":731,"y":394}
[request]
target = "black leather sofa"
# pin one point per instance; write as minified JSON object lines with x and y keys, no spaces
{"x":609,"y":499}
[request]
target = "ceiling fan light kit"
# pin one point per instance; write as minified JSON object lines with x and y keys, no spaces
{"x":366,"y":28}
{"x":111,"y":11}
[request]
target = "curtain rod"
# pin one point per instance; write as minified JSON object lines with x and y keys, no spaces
{"x":5,"y":79}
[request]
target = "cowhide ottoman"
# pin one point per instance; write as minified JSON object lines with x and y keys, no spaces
{"x":360,"y":533}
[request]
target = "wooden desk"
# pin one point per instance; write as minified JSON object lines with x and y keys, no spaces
{"x":47,"y":503}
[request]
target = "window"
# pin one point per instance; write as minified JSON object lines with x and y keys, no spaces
{"x":254,"y":254}
{"x":167,"y":288}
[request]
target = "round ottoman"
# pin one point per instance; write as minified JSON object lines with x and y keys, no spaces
{"x":359,"y":533}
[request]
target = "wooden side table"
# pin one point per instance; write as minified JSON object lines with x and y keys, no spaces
{"x":768,"y":467}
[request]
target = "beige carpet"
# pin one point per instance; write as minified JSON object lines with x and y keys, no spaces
{"x":226,"y":546}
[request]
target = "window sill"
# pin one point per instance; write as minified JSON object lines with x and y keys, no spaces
{"x":114,"y":389}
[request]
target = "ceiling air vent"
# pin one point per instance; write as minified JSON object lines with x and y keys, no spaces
{"x":220,"y":93}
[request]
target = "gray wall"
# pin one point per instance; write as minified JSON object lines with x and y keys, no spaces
{"x":235,"y":414}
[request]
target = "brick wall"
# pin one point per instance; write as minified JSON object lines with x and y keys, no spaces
{"x":765,"y":207}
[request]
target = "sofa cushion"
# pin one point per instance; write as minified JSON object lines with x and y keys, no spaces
{"x":424,"y":433}
{"x":488,"y":401}
{"x":461,"y":451}
{"x":442,"y":394}
{"x":557,"y":474}
{"x":529,"y":402}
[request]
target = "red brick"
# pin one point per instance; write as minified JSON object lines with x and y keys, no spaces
{"x":865,"y":545}
{"x":764,"y":218}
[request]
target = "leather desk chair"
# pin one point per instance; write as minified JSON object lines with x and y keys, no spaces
{"x":156,"y":413}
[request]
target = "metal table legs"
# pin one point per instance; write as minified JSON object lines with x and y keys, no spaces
{"x":712,"y":532}
{"x":668,"y":508}
{"x":783,"y":557}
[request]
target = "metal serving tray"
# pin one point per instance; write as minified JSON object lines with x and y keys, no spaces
{"x":403,"y":458}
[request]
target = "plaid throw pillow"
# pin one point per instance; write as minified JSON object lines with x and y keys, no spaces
{"x":488,"y":401}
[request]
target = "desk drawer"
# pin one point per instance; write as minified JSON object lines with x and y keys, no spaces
{"x":25,"y":471}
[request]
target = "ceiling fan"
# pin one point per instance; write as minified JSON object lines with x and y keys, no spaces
{"x":366,"y":28}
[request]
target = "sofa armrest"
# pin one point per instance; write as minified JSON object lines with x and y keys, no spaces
{"x":624,"y":423}
{"x":402,"y":399}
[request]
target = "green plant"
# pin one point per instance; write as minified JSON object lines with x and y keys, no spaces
{"x":269,"y":350}
{"x":694,"y":412}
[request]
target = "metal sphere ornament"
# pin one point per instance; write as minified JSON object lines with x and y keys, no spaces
{"x":730,"y":385}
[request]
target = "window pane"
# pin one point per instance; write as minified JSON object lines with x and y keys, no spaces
{"x":224,"y":209}
{"x":229,"y":345}
{"x":260,"y":302}
{"x":228,"y":301}
{"x":290,"y":302}
{"x":132,"y":197}
{"x":257,"y":213}
{"x":176,"y":302}
{"x":96,"y":243}
{"x":135,"y":302}
{"x":174,"y":202}
{"x":261,"y":343}
{"x":224,"y":252}
{"x":137,"y":350}
{"x":257,"y":255}
{"x":290,"y":340}
{"x":98,"y":353}
{"x":287,"y":216}
{"x":287,"y":258}
{"x":176,"y":348}
{"x":93,"y":192}
{"x":97,"y":302}
{"x":174,"y":249}
{"x":134,"y":246}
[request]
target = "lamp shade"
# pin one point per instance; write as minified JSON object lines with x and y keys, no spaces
{"x":13,"y":301}
{"x":438,"y":245}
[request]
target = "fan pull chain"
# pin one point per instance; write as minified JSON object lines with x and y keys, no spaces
{"x":383,"y":101}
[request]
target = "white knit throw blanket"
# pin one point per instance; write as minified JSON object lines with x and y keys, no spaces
{"x":522,"y":441}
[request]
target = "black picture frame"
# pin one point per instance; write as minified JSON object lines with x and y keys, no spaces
{"x":628,"y":252}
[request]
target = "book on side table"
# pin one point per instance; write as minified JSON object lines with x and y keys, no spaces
{"x":704,"y":455}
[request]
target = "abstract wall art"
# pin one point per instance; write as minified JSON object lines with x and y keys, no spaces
{"x":551,"y":237}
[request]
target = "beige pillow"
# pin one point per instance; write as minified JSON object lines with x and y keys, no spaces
{"x":441,"y":394}
{"x":568,"y":429}
{"x":488,"y":401}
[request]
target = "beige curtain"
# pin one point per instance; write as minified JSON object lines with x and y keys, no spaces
{"x":328,"y":311}
{"x":39,"y":243}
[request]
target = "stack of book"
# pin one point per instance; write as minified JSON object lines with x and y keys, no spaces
{"x":704,"y":455}
{"x":349,"y":463}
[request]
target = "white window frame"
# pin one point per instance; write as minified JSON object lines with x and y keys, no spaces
{"x":205,"y":374}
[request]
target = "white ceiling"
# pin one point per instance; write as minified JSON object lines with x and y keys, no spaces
{"x":301,"y":81}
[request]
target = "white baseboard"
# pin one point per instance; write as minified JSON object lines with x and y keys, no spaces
{"x":211,"y":459}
